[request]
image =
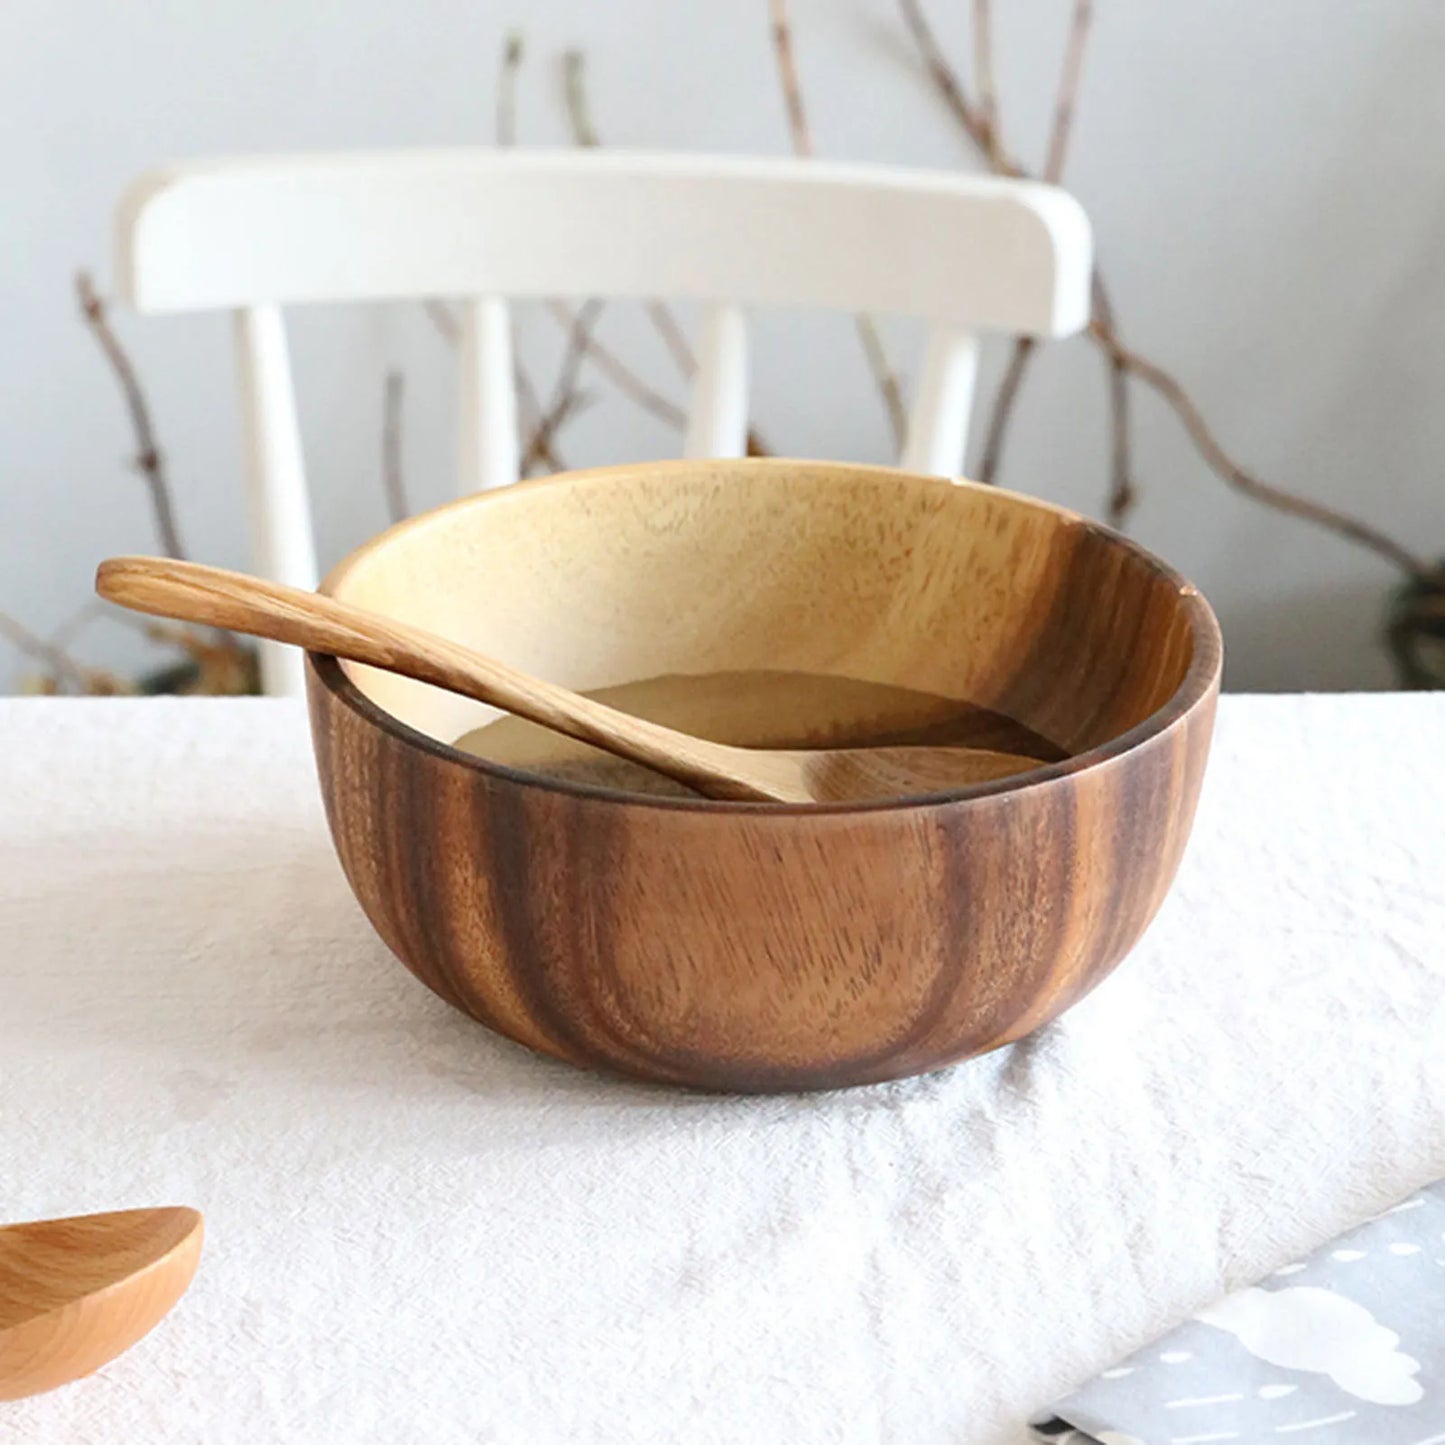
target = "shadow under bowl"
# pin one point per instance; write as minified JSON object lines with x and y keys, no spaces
{"x":752,"y":947}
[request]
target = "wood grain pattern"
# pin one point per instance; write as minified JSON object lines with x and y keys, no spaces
{"x":753,"y":947}
{"x":75,"y":1293}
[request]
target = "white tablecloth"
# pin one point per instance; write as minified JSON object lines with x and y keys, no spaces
{"x":420,"y":1232}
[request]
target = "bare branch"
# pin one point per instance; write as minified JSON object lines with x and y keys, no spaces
{"x":1001,"y":413}
{"x":1122,"y":362}
{"x":574,"y":89}
{"x":983,"y":77}
{"x":566,"y":398}
{"x":664,"y":322}
{"x":148,"y":459}
{"x":393,"y":398}
{"x":1226,"y":467}
{"x":513,"y":50}
{"x":1024,"y":347}
{"x":529,"y":408}
{"x":60,"y":662}
{"x":542,"y":454}
{"x":1122,"y":496}
{"x":1066,"y":97}
{"x":970,"y":116}
{"x":150,"y":463}
{"x":884,"y":377}
{"x":71,"y":628}
{"x":529,"y":420}
{"x":801,"y":135}
{"x":782,"y":29}
{"x":529,"y":404}
{"x":618,"y":372}
{"x":627,"y":381}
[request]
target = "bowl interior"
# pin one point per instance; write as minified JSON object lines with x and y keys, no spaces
{"x":786,"y":604}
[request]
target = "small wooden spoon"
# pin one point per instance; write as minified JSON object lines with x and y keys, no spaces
{"x":212,"y":597}
{"x":75,"y":1293}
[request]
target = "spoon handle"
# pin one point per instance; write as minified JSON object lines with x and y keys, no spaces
{"x":214,"y":597}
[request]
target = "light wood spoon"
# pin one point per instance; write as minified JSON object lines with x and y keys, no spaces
{"x":75,"y":1293}
{"x":212,"y":597}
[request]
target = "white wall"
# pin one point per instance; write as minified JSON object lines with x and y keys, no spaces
{"x":1267,"y":184}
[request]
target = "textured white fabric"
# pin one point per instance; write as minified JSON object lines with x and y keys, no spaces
{"x":419,"y":1232}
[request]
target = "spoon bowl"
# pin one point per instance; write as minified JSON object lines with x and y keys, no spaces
{"x":75,"y":1293}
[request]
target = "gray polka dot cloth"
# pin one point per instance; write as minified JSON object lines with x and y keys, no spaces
{"x":1344,"y":1348}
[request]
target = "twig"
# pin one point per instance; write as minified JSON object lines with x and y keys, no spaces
{"x":664,"y":322}
{"x":950,"y":88}
{"x":1122,"y":495}
{"x":542,"y":447}
{"x":1226,"y":467}
{"x":983,"y":124}
{"x":529,"y":409}
{"x":529,"y":421}
{"x":148,"y":459}
{"x":529,"y":404}
{"x":574,"y":89}
{"x":60,"y":663}
{"x":1066,"y":97}
{"x":566,"y":398}
{"x":782,"y":31}
{"x":71,"y":628}
{"x":393,"y":399}
{"x":1103,"y":330}
{"x":1001,"y":412}
{"x":513,"y":50}
{"x":619,"y":373}
{"x":884,"y":377}
{"x":984,"y":70}
{"x":1024,"y":347}
{"x":801,"y":135}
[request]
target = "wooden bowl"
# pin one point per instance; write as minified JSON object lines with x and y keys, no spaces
{"x":741,"y":946}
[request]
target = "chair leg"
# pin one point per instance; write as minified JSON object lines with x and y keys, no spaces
{"x":281,"y":538}
{"x":938,"y":422}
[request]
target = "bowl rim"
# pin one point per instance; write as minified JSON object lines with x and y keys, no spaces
{"x":1200,"y":681}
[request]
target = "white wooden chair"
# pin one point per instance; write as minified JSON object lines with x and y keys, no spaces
{"x":968,"y":253}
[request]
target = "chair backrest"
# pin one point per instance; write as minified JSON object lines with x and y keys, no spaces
{"x":967,"y":253}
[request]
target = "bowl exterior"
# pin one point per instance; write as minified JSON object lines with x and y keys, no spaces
{"x":742,"y":948}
